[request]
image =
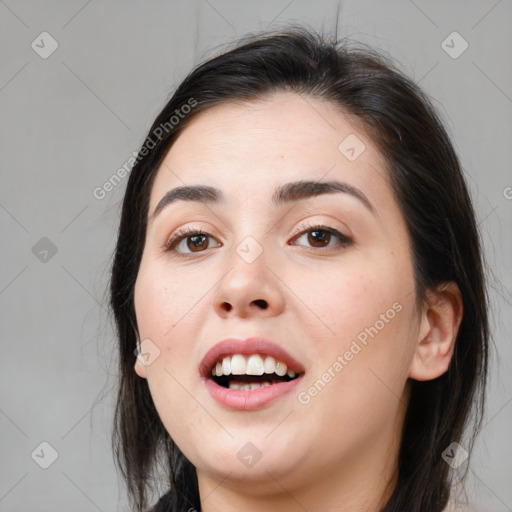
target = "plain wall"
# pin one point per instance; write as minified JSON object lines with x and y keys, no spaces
{"x":71,"y":120}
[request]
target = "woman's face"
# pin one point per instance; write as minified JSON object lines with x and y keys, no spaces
{"x":338,"y":308}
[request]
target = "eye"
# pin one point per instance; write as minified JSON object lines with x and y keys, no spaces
{"x":188,"y":238}
{"x":320,"y":236}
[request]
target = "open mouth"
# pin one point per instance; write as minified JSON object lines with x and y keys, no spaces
{"x":246,"y":372}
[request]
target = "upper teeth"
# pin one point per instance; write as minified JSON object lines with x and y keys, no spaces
{"x":252,"y":365}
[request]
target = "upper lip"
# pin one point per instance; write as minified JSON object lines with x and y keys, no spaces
{"x":254,"y":345}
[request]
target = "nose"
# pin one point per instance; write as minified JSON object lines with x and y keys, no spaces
{"x":249,"y":288}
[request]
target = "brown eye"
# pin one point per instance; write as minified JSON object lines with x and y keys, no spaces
{"x":197,"y":243}
{"x":189,"y":241}
{"x":320,"y":237}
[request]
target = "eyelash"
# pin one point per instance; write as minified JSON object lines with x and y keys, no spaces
{"x":187,"y":232}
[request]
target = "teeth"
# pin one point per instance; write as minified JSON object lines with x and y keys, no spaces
{"x":247,"y":387}
{"x":281,"y":369}
{"x":238,"y":365}
{"x":226,"y":366}
{"x":253,"y":365}
{"x":269,"y":364}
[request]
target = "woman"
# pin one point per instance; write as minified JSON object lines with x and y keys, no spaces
{"x":298,"y":290}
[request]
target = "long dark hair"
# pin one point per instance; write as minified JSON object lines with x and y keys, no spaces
{"x":430,"y":189}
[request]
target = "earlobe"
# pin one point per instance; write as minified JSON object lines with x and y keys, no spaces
{"x":439,"y":326}
{"x":140,"y":369}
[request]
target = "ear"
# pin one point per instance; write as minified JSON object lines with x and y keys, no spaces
{"x":439,"y":325}
{"x":140,"y":369}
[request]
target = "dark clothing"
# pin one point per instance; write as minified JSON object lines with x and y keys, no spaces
{"x":164,"y":504}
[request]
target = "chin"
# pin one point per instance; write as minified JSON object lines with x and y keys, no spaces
{"x":253,"y":463}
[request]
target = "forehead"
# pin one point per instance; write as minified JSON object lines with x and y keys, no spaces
{"x":249,"y":148}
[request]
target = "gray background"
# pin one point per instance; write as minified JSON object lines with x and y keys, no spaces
{"x":70,"y":120}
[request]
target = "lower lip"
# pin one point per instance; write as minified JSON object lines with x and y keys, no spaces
{"x":249,"y":399}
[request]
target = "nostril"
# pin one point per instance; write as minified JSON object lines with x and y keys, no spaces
{"x":262,"y":303}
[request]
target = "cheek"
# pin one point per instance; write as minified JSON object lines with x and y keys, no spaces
{"x":179,"y":413}
{"x":165,"y":315}
{"x":341,"y":301}
{"x":162,"y":300}
{"x":359,"y":380}
{"x":363,"y":332}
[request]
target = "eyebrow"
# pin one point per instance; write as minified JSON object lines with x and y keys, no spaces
{"x":284,"y":194}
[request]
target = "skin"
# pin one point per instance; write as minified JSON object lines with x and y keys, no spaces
{"x":337,"y":452}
